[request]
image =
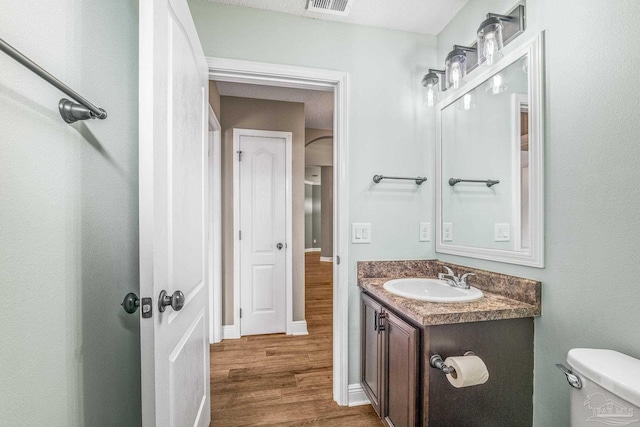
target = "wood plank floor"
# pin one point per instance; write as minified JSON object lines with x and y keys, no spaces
{"x":280,"y":380}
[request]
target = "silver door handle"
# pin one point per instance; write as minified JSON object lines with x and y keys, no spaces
{"x":176,"y":301}
{"x":279,"y":246}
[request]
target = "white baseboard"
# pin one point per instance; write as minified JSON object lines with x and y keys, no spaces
{"x":230,"y":332}
{"x":299,"y":327}
{"x":357,"y":396}
{"x":313,"y":249}
{"x":326,"y":258}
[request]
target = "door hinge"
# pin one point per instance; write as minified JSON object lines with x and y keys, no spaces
{"x":239,"y":156}
{"x":337,"y":259}
{"x":239,"y":234}
{"x":241,"y":313}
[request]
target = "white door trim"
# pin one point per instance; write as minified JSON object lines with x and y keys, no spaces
{"x":215,"y":229}
{"x":232,"y":70}
{"x":288,"y":137}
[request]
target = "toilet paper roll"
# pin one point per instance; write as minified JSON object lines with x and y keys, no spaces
{"x":470,"y":370}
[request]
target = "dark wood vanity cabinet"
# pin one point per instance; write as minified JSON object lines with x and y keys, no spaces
{"x":406,"y":392}
{"x":390,"y":364}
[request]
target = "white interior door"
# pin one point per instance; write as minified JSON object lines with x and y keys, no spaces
{"x":262,"y":236}
{"x":173,"y":216}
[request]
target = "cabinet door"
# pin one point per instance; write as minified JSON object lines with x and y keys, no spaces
{"x":401,"y":373}
{"x":371,"y":351}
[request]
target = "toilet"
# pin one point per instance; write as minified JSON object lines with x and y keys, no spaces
{"x":605,"y":388}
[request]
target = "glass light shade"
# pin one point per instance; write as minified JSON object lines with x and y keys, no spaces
{"x":490,"y":41}
{"x":455,"y":69}
{"x":496,"y":84}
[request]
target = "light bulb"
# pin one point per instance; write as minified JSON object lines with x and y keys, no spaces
{"x":430,"y":96}
{"x":455,"y":75}
{"x":497,"y":84}
{"x":490,"y":47}
{"x":466,"y":102}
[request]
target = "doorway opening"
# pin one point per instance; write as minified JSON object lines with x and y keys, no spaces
{"x":269,"y":75}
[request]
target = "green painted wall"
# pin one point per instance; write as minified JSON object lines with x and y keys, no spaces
{"x":590,"y":284}
{"x":389,"y":133}
{"x":69,"y":214}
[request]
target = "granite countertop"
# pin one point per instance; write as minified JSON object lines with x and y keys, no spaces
{"x":505,"y":297}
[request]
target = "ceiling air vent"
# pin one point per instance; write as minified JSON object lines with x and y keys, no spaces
{"x":333,"y":7}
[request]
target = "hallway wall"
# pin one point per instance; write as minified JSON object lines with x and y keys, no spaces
{"x":70,"y":356}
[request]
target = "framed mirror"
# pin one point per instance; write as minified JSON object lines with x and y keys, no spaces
{"x":489,"y":162}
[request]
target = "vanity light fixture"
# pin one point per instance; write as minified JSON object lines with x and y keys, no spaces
{"x":456,"y":66}
{"x":432,"y":83}
{"x":494,"y":33}
{"x":497,"y":31}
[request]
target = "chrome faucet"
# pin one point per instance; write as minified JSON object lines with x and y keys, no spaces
{"x":453,"y":280}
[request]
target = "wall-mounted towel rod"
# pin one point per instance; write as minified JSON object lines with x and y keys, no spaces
{"x":489,"y":182}
{"x":419,"y":180}
{"x":69,"y":110}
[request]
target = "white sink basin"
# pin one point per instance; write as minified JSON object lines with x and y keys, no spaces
{"x":432,"y":290}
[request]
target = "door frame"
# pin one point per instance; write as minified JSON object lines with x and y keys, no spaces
{"x":238,"y":71}
{"x":288,"y":138}
{"x":215,"y":228}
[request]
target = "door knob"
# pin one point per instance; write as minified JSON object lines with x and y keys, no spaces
{"x":130,"y":303}
{"x":176,"y":301}
{"x":279,"y":246}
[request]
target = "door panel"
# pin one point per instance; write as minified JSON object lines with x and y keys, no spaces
{"x":401,"y":351}
{"x":173,"y":203}
{"x":263,"y":282}
{"x":371,"y":352}
{"x":262,"y":212}
{"x":187,"y":361}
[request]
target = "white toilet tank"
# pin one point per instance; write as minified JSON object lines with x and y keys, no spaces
{"x":610,"y":393}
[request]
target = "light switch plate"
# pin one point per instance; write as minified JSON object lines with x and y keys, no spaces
{"x":502,"y":232}
{"x":447,"y":232}
{"x":425,"y":232}
{"x":360,"y":233}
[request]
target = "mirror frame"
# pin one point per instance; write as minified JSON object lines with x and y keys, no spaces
{"x":534,"y":257}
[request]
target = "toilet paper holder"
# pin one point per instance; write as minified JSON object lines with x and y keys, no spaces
{"x":437,"y":362}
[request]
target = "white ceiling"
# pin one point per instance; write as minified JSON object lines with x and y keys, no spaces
{"x":318,"y":105}
{"x":418,"y":16}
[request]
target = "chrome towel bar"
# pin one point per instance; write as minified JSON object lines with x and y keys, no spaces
{"x":69,"y":110}
{"x":488,"y":182}
{"x":419,"y":180}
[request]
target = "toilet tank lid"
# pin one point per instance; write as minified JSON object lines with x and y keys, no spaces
{"x":611,"y":370}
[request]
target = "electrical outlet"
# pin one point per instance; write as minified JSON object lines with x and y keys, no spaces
{"x":425,"y":232}
{"x":360,"y":233}
{"x":447,"y":232}
{"x":502,"y":232}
